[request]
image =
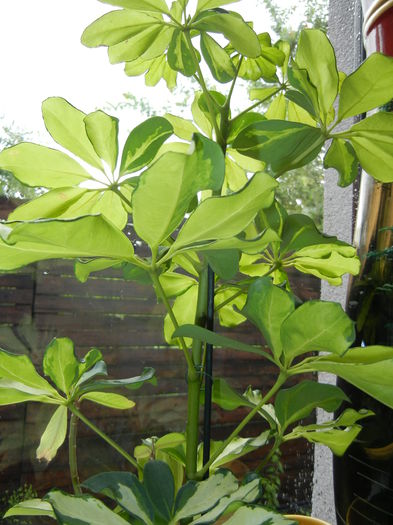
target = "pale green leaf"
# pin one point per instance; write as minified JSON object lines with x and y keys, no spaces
{"x":175,"y":284}
{"x":182,"y":128}
{"x":61,"y":364}
{"x":110,"y":400}
{"x":31,"y":507}
{"x":184,"y":309}
{"x":370,"y":86}
{"x":180,"y":58}
{"x":372,"y":140}
{"x":263,"y":93}
{"x":91,"y":236}
{"x":115,"y":27}
{"x":12,"y":392}
{"x":84,"y":269}
{"x":102,"y":130}
{"x":54,"y":435}
{"x":224,"y":217}
{"x":38,"y":166}
{"x":20,"y":369}
{"x":233,"y":27}
{"x":258,"y":516}
{"x":212,"y":4}
{"x":136,"y":45}
{"x":316,"y":55}
{"x":66,"y":125}
{"x":277,"y":108}
{"x":140,"y":5}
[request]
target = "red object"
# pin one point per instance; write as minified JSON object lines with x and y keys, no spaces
{"x":380,"y":35}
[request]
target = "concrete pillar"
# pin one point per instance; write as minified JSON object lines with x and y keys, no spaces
{"x":344,"y":33}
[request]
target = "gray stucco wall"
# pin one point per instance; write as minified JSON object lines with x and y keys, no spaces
{"x":344,"y":33}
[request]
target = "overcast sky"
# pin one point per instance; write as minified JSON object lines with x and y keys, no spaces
{"x":41,"y":56}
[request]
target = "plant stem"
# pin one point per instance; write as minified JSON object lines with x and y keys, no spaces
{"x":280,"y":381}
{"x":194,"y":383}
{"x":253,"y":106}
{"x":161,"y":295}
{"x":266,"y":460}
{"x":72,"y":457}
{"x":106,"y":438}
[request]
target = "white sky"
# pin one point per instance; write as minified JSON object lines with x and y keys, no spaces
{"x":41,"y":56}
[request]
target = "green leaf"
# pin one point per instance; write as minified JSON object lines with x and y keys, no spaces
{"x":217,"y":59}
{"x":233,"y":27}
{"x":158,"y":6}
{"x":180,"y":57}
{"x":199,"y":116}
{"x":331,"y":433}
{"x":31,"y":507}
{"x":182,"y":128}
{"x":137,"y":45}
{"x":308,"y":100}
{"x":175,"y":284}
{"x":258,"y":516}
{"x":39,"y":166}
{"x":372,"y":140}
{"x":202,"y":334}
{"x":12,"y":392}
{"x":370,"y":86}
{"x":314,"y":327}
{"x":212,"y":4}
{"x":162,"y":198}
{"x":370,"y":369}
{"x":66,"y":125}
{"x":206,"y":494}
{"x":247,"y":493}
{"x":300,"y":231}
{"x":224,"y":217}
{"x":299,"y":401}
{"x":143,"y":143}
{"x":54,"y":435}
{"x":61,"y":364}
{"x":224,"y":263}
{"x":277,"y":108}
{"x":84,"y":269}
{"x":326,"y":261}
{"x":126,"y":490}
{"x":82,"y":510}
{"x":316,"y":55}
{"x":184,"y":309}
{"x":342,"y":157}
{"x":263,"y":93}
{"x":226,"y":397}
{"x":284,"y":145}
{"x":109,"y":400}
{"x":115,"y":27}
{"x":206,"y":164}
{"x":102,"y":130}
{"x":267,"y":307}
{"x":91,"y":236}
{"x":20,"y":369}
{"x":159,"y":484}
{"x":131,"y":383}
{"x":301,"y":100}
{"x":92,"y":358}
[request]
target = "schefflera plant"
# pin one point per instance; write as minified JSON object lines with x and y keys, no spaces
{"x":74,"y":381}
{"x":208,"y":199}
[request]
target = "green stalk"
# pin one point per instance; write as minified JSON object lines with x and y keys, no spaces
{"x":280,"y":381}
{"x":72,"y":457}
{"x":106,"y":438}
{"x":194,"y":383}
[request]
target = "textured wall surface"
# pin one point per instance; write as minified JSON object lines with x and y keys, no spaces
{"x":344,"y":32}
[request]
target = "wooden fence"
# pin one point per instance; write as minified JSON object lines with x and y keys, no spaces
{"x":125,"y":322}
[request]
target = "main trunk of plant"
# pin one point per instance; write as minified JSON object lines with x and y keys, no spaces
{"x":364,"y":476}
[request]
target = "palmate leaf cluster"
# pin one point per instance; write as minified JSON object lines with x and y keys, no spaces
{"x":201,"y":193}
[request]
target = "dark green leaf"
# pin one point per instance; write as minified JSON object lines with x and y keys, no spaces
{"x":284,"y":145}
{"x":226,"y":397}
{"x":84,"y":269}
{"x":206,"y":163}
{"x":180,"y":57}
{"x":224,"y":263}
{"x":159,"y":484}
{"x":299,"y":401}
